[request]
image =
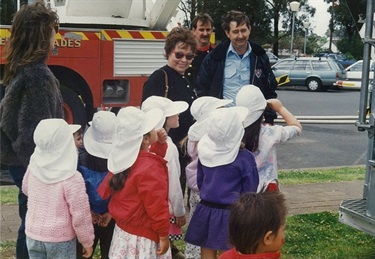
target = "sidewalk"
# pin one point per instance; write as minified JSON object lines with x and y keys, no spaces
{"x":301,"y":199}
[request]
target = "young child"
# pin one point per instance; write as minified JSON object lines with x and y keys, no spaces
{"x":138,"y":183}
{"x":200,"y":109}
{"x":93,"y":167}
{"x":170,"y":120}
{"x":58,"y":207}
{"x":261,"y":139}
{"x":256,"y":226}
{"x":78,"y":138}
{"x":224,"y":172}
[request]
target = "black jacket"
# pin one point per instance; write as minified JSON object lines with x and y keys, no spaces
{"x":211,"y":74}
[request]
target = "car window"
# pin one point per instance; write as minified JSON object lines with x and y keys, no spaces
{"x":302,"y":65}
{"x":284,"y":64}
{"x":357,"y":67}
{"x":320,"y":65}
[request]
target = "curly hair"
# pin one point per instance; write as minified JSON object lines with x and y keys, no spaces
{"x":30,"y":37}
{"x":179,"y":35}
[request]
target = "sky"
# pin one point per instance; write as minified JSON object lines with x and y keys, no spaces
{"x":320,"y":21}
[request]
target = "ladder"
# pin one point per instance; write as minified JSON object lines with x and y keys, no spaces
{"x":360,"y":213}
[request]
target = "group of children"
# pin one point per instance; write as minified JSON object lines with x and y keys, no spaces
{"x":126,"y":193}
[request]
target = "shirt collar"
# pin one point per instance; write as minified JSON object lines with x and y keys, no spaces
{"x":231,"y":50}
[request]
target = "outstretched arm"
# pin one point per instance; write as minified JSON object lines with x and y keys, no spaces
{"x":277,"y":106}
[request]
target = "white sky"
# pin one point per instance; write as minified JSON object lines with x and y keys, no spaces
{"x":320,"y":21}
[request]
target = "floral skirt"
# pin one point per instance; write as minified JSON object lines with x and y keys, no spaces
{"x":128,"y":246}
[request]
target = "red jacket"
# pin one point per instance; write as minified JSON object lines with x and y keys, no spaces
{"x":233,"y":254}
{"x":141,"y":207}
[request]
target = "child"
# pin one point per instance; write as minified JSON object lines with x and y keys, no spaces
{"x":78,"y":138}
{"x":256,"y":226}
{"x":224,"y":172}
{"x":170,"y":120}
{"x":138,"y":183}
{"x":261,"y":139}
{"x":58,"y":207}
{"x":93,"y":166}
{"x":200,"y":109}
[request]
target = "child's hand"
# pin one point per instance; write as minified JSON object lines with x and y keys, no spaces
{"x":87,"y":252}
{"x":162,"y":135}
{"x":275,"y":104}
{"x":95,"y":218}
{"x":106,"y":218}
{"x":163,"y":245}
{"x":181,"y":221}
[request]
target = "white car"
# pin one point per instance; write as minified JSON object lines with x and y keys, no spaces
{"x":354,"y":72}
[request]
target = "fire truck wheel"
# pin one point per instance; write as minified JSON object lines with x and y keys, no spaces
{"x":74,"y":108}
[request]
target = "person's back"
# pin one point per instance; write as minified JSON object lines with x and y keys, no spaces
{"x":60,"y":212}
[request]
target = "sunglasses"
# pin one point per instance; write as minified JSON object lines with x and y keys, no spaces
{"x":180,"y":55}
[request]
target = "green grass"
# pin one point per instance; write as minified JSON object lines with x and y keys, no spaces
{"x":293,"y":177}
{"x":8,"y":194}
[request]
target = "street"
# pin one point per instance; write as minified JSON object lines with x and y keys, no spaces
{"x":322,"y":145}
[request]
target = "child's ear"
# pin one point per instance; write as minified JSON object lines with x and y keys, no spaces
{"x":268,"y":238}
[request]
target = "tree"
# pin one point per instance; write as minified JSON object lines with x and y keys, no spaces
{"x":7,"y":9}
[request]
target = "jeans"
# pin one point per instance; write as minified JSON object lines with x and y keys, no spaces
{"x":17,"y":173}
{"x":55,"y":250}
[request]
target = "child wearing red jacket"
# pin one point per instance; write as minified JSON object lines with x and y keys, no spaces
{"x":138,"y":183}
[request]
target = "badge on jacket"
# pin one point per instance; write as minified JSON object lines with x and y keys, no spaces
{"x":258,"y":72}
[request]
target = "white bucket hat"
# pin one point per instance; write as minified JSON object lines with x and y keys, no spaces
{"x":132,"y":124}
{"x":200,"y":109}
{"x":222,"y":142}
{"x":251,"y":97}
{"x":99,"y":136}
{"x":168,"y":107}
{"x":55,"y":155}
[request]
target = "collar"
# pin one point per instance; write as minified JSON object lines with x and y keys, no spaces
{"x":232,"y":50}
{"x":205,"y":48}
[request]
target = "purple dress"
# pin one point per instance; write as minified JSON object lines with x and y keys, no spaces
{"x":220,"y":187}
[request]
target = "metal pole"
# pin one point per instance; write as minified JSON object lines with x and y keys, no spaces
{"x":291,"y":42}
{"x":304,"y":45}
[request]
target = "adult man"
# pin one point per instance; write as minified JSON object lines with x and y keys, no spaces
{"x":237,"y":62}
{"x":202,"y":27}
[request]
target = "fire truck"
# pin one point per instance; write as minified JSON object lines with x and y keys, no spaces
{"x":360,"y":213}
{"x":105,"y":50}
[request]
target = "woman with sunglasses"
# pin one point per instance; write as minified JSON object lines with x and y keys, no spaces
{"x":170,"y":81}
{"x":31,"y":94}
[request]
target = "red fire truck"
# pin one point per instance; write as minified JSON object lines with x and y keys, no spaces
{"x":105,"y":50}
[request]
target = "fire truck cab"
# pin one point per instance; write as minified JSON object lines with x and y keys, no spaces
{"x":105,"y":50}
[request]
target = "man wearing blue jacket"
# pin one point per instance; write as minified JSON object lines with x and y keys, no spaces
{"x":237,"y":62}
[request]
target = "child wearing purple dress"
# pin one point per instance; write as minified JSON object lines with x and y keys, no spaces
{"x":225,"y":171}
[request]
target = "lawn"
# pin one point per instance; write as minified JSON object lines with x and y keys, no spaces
{"x":310,"y":236}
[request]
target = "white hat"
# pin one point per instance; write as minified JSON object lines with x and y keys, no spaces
{"x":132,"y":124}
{"x":225,"y":130}
{"x":168,"y":107}
{"x":200,"y":109}
{"x":55,"y":156}
{"x":99,"y":136}
{"x":253,"y":99}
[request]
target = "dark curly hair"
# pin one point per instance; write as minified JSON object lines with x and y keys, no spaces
{"x":180,"y":35}
{"x":30,"y":37}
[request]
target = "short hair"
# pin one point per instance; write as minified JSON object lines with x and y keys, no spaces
{"x":234,"y":16}
{"x":204,"y":18}
{"x":179,"y":34}
{"x":30,"y":37}
{"x":252,"y":216}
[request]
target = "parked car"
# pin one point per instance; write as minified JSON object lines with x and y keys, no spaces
{"x":272,"y":57}
{"x":341,"y":58}
{"x":317,"y":74}
{"x":354,"y":71}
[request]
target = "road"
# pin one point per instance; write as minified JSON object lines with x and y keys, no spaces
{"x":322,"y":145}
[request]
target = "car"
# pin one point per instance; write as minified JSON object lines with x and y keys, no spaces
{"x":316,"y":73}
{"x":272,"y":57}
{"x":354,"y":71}
{"x":341,"y":58}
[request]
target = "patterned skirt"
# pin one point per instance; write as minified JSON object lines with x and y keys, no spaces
{"x":128,"y":246}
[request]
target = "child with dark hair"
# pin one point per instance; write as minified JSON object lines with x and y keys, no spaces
{"x":256,"y":226}
{"x":138,"y":186}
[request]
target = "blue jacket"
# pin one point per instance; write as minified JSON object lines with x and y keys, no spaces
{"x":211,"y":74}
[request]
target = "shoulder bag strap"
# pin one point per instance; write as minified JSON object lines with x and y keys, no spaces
{"x":166,"y":83}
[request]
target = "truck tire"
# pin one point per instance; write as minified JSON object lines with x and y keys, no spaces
{"x":74,"y":108}
{"x":313,"y":84}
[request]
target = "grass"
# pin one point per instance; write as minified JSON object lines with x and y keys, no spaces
{"x":308,"y":236}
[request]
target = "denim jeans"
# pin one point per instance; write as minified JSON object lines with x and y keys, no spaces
{"x":55,"y":250}
{"x":17,"y":173}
